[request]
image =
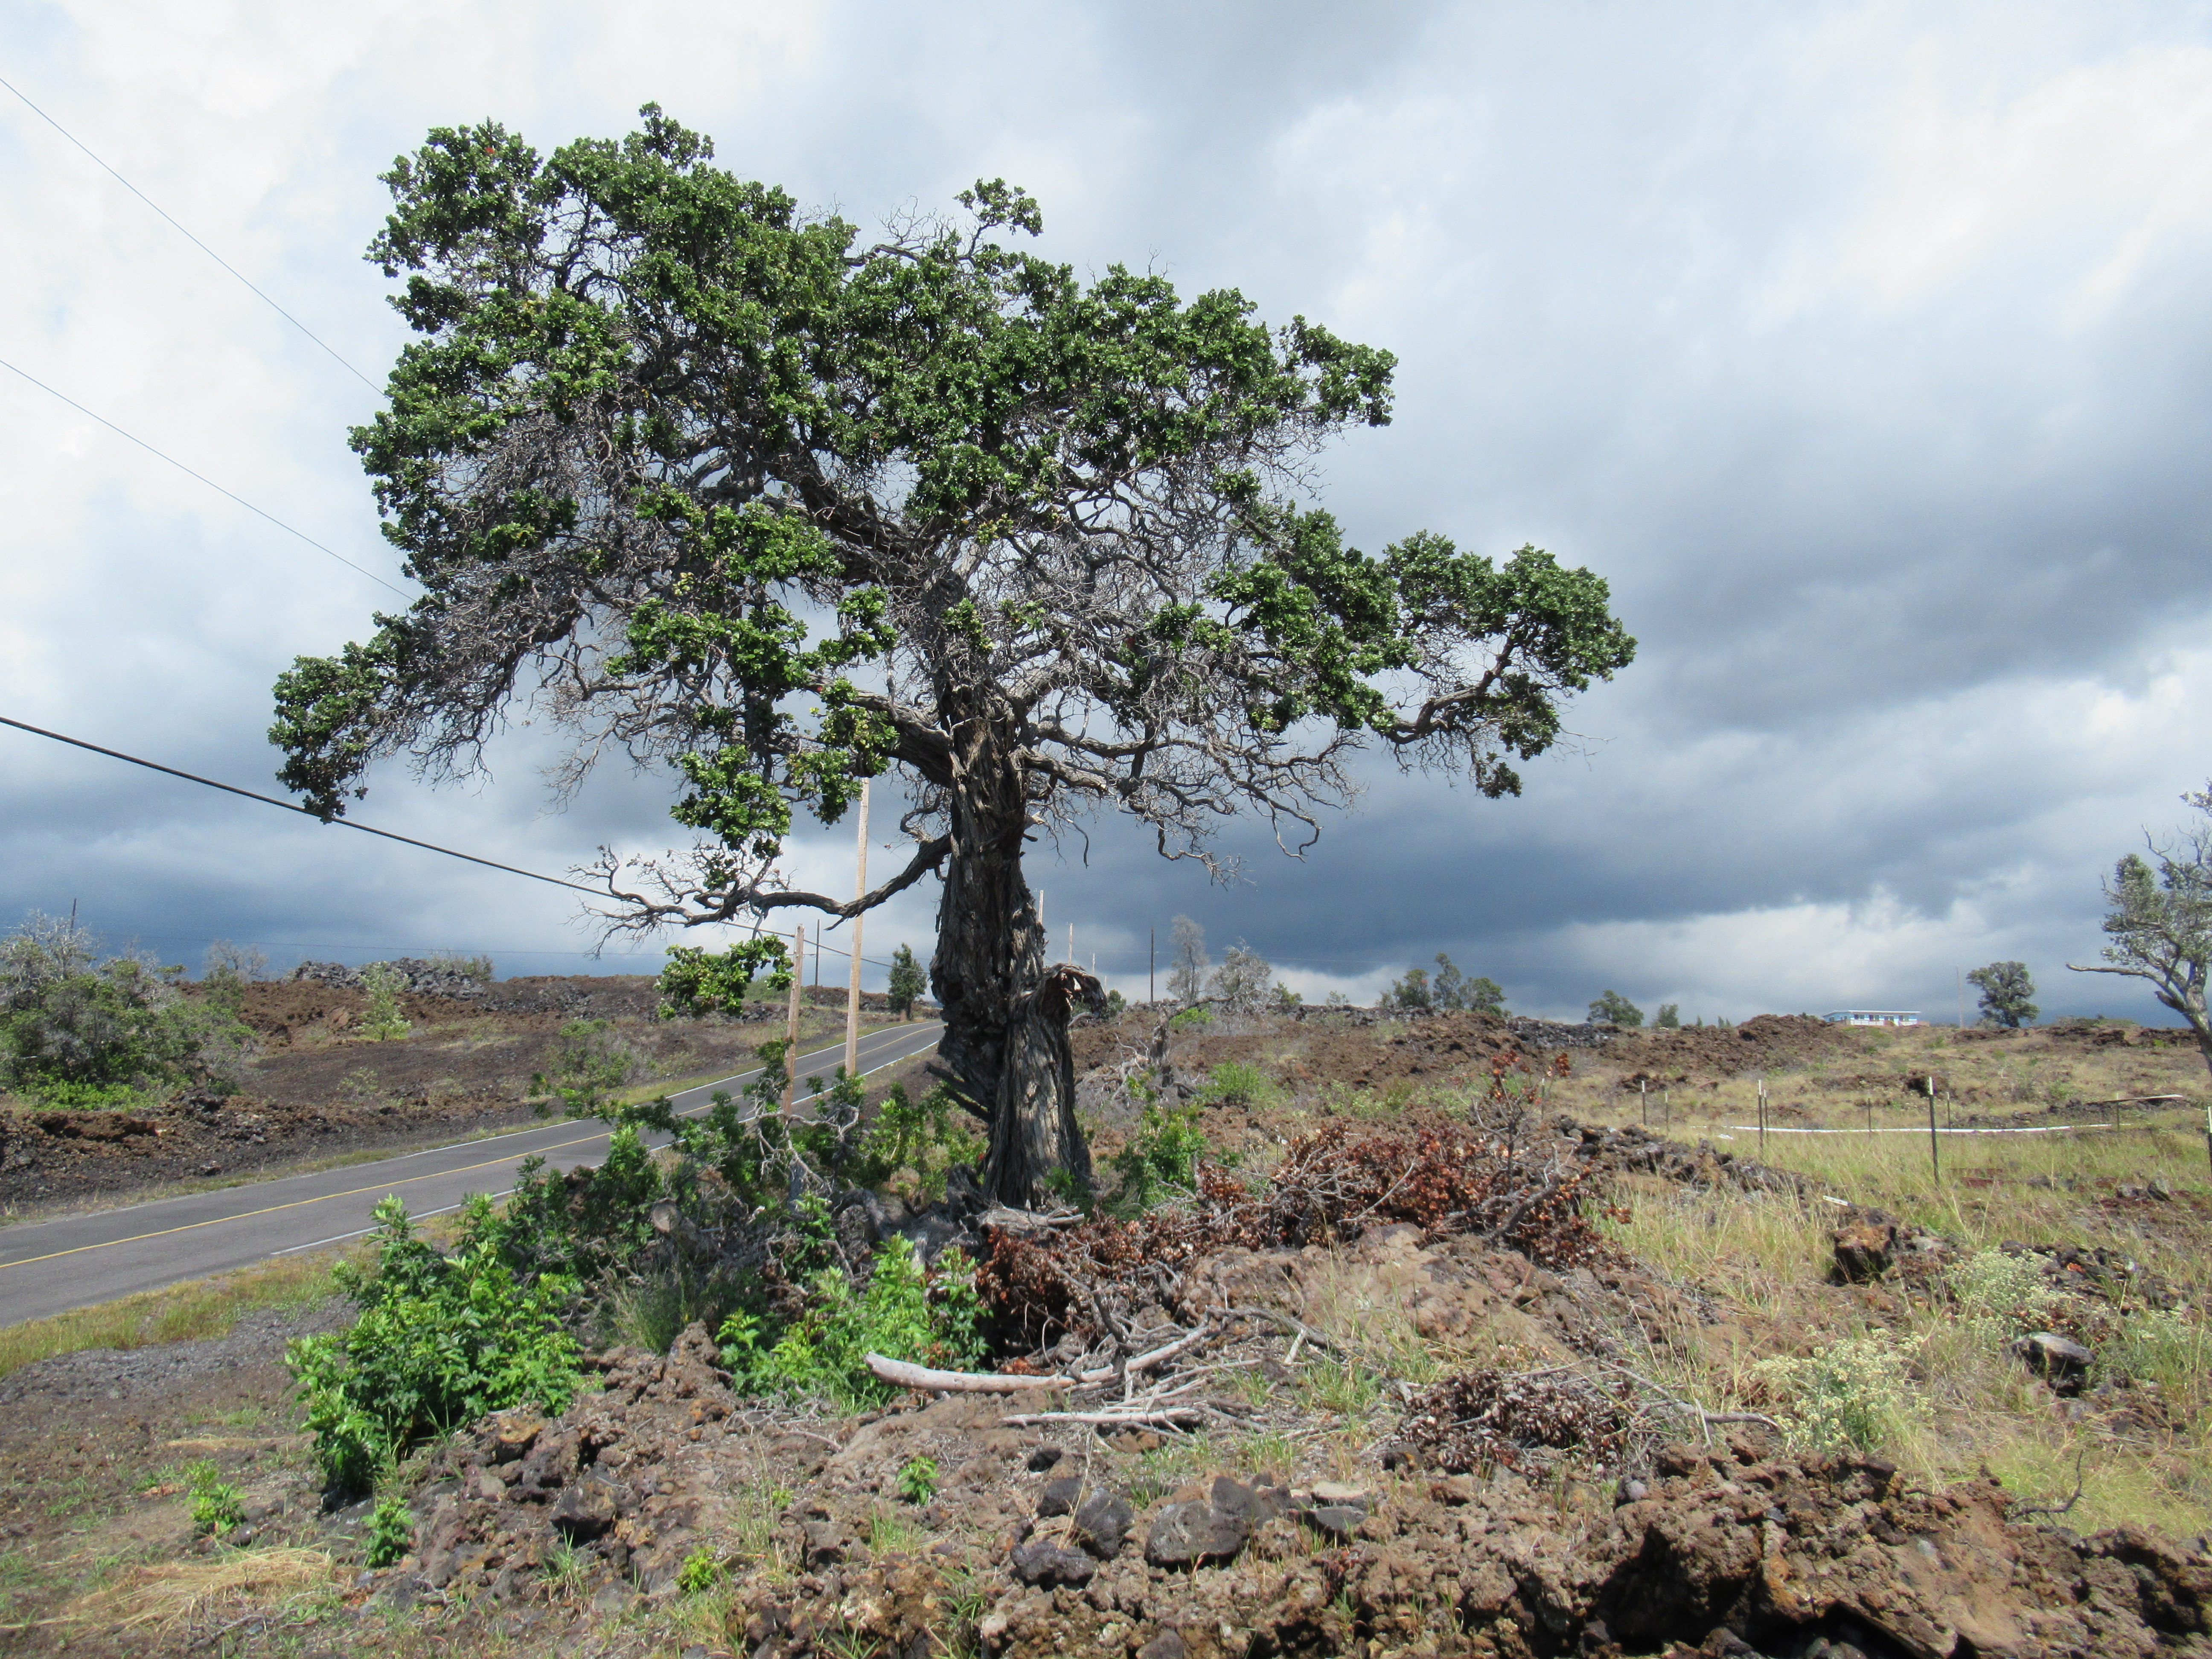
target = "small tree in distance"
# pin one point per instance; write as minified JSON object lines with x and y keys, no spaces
{"x":2006,"y":987}
{"x":1412,"y":991}
{"x":908,"y":981}
{"x":1241,"y":981}
{"x":1449,"y":988}
{"x":1187,"y":964}
{"x":1484,"y":995}
{"x":1669,"y":1018}
{"x":1612,"y":1008}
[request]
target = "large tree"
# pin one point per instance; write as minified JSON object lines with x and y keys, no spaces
{"x":711,"y":482}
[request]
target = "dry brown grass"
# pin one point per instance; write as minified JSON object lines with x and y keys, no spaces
{"x":200,"y":1597}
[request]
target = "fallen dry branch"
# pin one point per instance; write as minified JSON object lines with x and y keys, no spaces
{"x":906,"y":1376}
{"x":1173,"y":1417}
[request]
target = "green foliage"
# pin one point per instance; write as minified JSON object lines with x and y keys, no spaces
{"x":1160,"y":1161}
{"x":2004,"y":1292}
{"x":383,"y":1021}
{"x":917,"y":1481}
{"x":1191,"y":1020}
{"x":2008,"y":990}
{"x":581,"y":1225}
{"x":591,"y":1062}
{"x":701,"y":1570}
{"x":1237,"y":1083}
{"x":908,"y":981}
{"x":1612,"y":1008}
{"x":1115,"y":1004}
{"x":1412,"y":991}
{"x":1669,"y":1016}
{"x":77,"y":1031}
{"x":390,"y":1530}
{"x":1484,"y":995}
{"x":1285,"y":997}
{"x":903,"y":1313}
{"x":217,"y":1506}
{"x":440,"y":1341}
{"x":698,"y":982}
{"x":1854,"y":1394}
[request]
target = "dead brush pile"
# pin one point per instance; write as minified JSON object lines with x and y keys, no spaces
{"x":1486,"y":1418}
{"x":1329,"y":1188}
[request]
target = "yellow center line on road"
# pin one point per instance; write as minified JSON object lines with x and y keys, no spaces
{"x":325,"y":1198}
{"x":296,"y":1204}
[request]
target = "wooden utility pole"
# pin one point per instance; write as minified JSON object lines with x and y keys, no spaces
{"x":791,"y":1026}
{"x":1935,"y":1159}
{"x":853,"y":992}
{"x":1071,"y":941}
{"x":1153,"y":995}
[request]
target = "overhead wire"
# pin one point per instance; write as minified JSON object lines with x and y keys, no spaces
{"x":203,"y":477}
{"x":173,"y":224}
{"x":343,"y":823}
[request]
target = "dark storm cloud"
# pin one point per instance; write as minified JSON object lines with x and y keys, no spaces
{"x":1862,"y":352}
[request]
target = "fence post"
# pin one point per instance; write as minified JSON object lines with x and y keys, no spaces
{"x":1643,"y":1100}
{"x":1935,"y":1160}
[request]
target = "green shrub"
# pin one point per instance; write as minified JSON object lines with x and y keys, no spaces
{"x":1238,"y":1083}
{"x":701,"y":1570}
{"x":1854,"y":1393}
{"x":903,"y":1313}
{"x":383,"y":983}
{"x":2006,"y":1294}
{"x":1191,"y":1018}
{"x":1161,"y":1160}
{"x":441,"y":1340}
{"x":217,"y":1506}
{"x":917,"y":1479}
{"x":390,"y":1530}
{"x":591,"y":1063}
{"x":75,"y":1031}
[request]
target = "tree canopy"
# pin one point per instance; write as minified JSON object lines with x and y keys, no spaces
{"x":2158,"y":919}
{"x":2007,"y":991}
{"x":709,"y":482}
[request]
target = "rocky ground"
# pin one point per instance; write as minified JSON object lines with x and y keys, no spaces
{"x":1386,"y":1435}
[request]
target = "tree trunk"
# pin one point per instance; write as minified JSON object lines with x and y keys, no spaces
{"x":1005,"y":1050}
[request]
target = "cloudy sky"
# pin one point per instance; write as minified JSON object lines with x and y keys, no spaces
{"x":1863,"y":348}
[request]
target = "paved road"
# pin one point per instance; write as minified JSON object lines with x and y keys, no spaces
{"x":51,"y":1266}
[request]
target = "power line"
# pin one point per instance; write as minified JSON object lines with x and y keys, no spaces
{"x":289,"y":806}
{"x":193,"y":240}
{"x":202,"y":477}
{"x":343,"y":823}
